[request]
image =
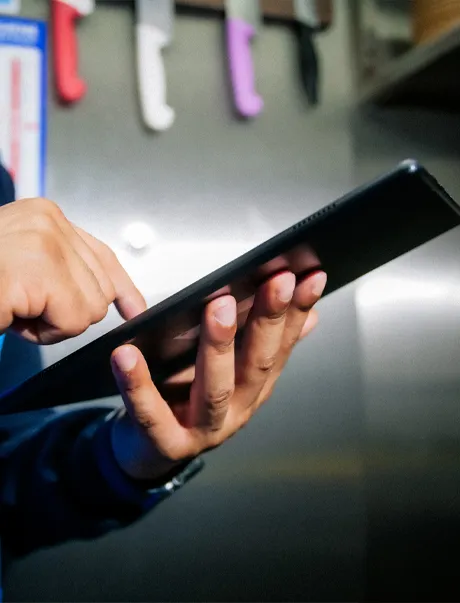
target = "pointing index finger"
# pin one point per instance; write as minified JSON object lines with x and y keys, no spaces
{"x":128,"y":299}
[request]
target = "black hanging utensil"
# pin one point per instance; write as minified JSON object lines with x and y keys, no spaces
{"x":312,"y":16}
{"x":308,"y":62}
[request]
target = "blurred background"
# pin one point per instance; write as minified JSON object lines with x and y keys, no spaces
{"x":345,"y":486}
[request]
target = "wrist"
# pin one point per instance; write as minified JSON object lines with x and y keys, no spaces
{"x":135,"y":454}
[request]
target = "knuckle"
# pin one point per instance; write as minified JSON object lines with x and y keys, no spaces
{"x":217,"y":400}
{"x":145,"y":421}
{"x":73,"y":330}
{"x":55,"y":210}
{"x":215,"y":406}
{"x":213,"y":440}
{"x":222,"y":347}
{"x":46,"y":206}
{"x":43,"y":223}
{"x":76,"y":327}
{"x":99,"y":312}
{"x":109,"y":292}
{"x":39,"y":203}
{"x":106,"y":253}
{"x":289,"y":343}
{"x":46,"y":254}
{"x":265,"y":364}
{"x":276,"y":317}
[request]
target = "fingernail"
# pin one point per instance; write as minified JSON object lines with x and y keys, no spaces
{"x":226,"y":313}
{"x":126,"y":359}
{"x":318,"y":283}
{"x":286,"y":287}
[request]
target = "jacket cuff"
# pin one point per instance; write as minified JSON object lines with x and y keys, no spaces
{"x":105,"y":487}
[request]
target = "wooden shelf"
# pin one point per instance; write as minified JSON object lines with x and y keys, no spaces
{"x":278,"y":9}
{"x":282,"y":10}
{"x":423,"y":76}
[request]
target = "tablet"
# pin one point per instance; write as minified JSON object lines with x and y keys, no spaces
{"x":352,"y":236}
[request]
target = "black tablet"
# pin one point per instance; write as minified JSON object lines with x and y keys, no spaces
{"x":347,"y":239}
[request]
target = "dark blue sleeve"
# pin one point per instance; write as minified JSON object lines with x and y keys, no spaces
{"x":6,"y":187}
{"x":6,"y":196}
{"x":59,"y":480}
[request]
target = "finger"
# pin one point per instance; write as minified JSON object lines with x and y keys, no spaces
{"x":145,"y":405}
{"x":87,"y":285}
{"x":57,"y":327}
{"x":310,"y":324}
{"x":85,"y":268}
{"x":91,"y":259}
{"x":262,"y":337}
{"x":66,"y":315}
{"x":128,"y":299}
{"x":215,"y":366}
{"x":74,"y":302}
{"x":301,"y":319}
{"x":298,"y":321}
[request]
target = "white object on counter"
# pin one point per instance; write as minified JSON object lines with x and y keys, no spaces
{"x":23,"y":103}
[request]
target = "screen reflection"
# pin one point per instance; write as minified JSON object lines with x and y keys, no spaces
{"x":178,"y":336}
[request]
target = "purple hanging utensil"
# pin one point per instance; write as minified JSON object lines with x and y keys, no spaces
{"x":242,"y":20}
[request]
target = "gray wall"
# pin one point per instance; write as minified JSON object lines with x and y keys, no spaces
{"x":296,"y":506}
{"x":410,"y":359}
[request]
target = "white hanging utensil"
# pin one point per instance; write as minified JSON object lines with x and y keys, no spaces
{"x":154,"y":29}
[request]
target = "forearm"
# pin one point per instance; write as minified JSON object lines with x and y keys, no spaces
{"x":60,"y":480}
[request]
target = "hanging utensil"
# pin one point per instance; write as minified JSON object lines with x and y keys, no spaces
{"x":70,"y":87}
{"x":154,"y":31}
{"x":242,"y":21}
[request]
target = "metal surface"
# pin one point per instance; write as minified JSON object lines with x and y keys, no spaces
{"x":242,"y":9}
{"x":159,"y":13}
{"x":281,"y":505}
{"x":306,"y":503}
{"x":410,"y":358}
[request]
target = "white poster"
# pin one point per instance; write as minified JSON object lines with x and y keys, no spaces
{"x":23,"y":103}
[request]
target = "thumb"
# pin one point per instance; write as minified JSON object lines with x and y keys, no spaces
{"x":144,"y":404}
